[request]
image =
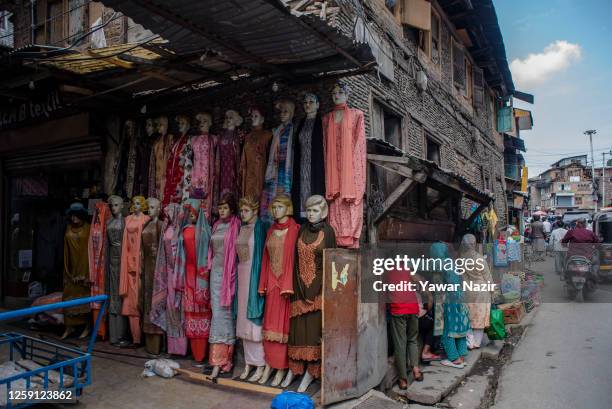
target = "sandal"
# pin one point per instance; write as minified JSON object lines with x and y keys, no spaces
{"x":419,"y":378}
{"x":437,"y":358}
{"x":451,"y":364}
{"x":403,"y":384}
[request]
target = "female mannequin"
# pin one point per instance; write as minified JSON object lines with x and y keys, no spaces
{"x":151,"y":234}
{"x":203,"y":173}
{"x":129,"y":280}
{"x":254,"y":156}
{"x":308,"y":163}
{"x":174,"y":168}
{"x":96,"y":251}
{"x":143,"y":157}
{"x":222,"y":267}
{"x":306,"y":303}
{"x":277,"y":286}
{"x":76,"y":269}
{"x":280,"y":161}
{"x":166,"y":309}
{"x":117,"y":324}
{"x":228,"y":155}
{"x":345,"y":164}
{"x":159,"y":156}
{"x":127,"y":166}
{"x":192,"y":277}
{"x":249,"y":303}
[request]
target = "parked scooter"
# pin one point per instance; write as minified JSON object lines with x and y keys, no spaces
{"x":579,"y":278}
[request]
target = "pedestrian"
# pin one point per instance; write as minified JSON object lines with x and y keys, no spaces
{"x":559,"y":250}
{"x":426,"y":328}
{"x":456,"y":319}
{"x":404,"y":309}
{"x":547,"y":230}
{"x":478,"y":302}
{"x":538,"y":238}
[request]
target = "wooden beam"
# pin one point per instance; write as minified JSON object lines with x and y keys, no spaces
{"x":112,"y":60}
{"x":394,"y":167}
{"x":242,"y":385}
{"x":72,"y":89}
{"x":387,"y":158}
{"x":406,"y":186}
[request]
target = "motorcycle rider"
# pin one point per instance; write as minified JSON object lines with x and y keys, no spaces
{"x":579,"y":239}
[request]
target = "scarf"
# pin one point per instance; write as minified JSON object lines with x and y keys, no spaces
{"x":285,"y":281}
{"x":201,"y":283}
{"x":125,"y":252}
{"x":180,"y":261}
{"x":228,"y":284}
{"x":279,"y":171}
{"x":96,"y":250}
{"x":339,"y":184}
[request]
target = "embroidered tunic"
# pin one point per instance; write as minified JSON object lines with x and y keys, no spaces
{"x":253,"y":162}
{"x":203,"y":172}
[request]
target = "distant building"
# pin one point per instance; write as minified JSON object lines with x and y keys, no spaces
{"x":607,"y":181}
{"x":567,"y":185}
{"x":6,"y":29}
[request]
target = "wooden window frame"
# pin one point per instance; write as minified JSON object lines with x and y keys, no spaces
{"x":430,"y":137}
{"x":425,"y":39}
{"x":376,"y":99}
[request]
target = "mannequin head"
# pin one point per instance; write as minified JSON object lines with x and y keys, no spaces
{"x":149,"y":127}
{"x":154,"y":207}
{"x":204,"y":120}
{"x":226,"y":206}
{"x":249,"y":207}
{"x":232,"y":120}
{"x":77,"y":214}
{"x":281,"y":207}
{"x":257,"y":116}
{"x":311,"y":105}
{"x":139,"y":205}
{"x":162,"y":125}
{"x":116,"y":205}
{"x":130,"y":128}
{"x":192,"y":214}
{"x":340,"y":93}
{"x":316,"y":209}
{"x":183,"y":124}
{"x":286,"y":110}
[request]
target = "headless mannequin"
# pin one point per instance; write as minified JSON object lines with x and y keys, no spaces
{"x":249,"y":216}
{"x":76,"y":222}
{"x":279,"y":213}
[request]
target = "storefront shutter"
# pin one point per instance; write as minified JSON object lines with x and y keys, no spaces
{"x":68,"y":156}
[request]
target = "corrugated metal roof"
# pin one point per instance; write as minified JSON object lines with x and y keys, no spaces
{"x":253,"y":33}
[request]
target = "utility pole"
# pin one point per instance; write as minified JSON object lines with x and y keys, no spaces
{"x":590,"y":133}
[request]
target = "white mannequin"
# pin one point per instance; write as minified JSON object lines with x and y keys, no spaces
{"x":183,"y":124}
{"x":149,"y":127}
{"x":311,"y":106}
{"x":204,"y":120}
{"x":116,"y":205}
{"x":279,"y":213}
{"x":232,"y":120}
{"x":136,"y":207}
{"x":339,"y":96}
{"x":287,"y":110}
{"x":162,"y":125}
{"x":154,"y":209}
{"x":314,"y":214}
{"x":257,"y":118}
{"x":249,"y":216}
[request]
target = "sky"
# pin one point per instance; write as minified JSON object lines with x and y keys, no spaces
{"x":561,"y":51}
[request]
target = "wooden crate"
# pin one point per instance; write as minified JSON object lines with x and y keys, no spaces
{"x":513,"y":312}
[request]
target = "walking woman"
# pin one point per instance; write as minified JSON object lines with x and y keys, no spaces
{"x":455,"y":313}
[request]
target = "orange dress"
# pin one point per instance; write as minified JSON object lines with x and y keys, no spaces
{"x":129,"y":279}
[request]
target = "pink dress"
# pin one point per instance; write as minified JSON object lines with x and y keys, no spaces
{"x":228,"y":160}
{"x":177,"y":341}
{"x":245,"y":328}
{"x":203,"y":171}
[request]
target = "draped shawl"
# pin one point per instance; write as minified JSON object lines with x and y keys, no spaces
{"x":279,"y":171}
{"x":96,"y":250}
{"x":228,"y":285}
{"x":340,"y":183}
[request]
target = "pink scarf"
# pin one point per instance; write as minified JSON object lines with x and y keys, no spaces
{"x":228,"y":285}
{"x":339,"y":170}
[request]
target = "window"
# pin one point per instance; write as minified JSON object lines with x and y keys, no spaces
{"x":578,"y":201}
{"x":459,"y":74}
{"x":429,"y":40}
{"x":386,"y":124}
{"x":432,"y":150}
{"x":60,"y":22}
{"x":55,"y":27}
{"x":468,"y":90}
{"x":478,"y":88}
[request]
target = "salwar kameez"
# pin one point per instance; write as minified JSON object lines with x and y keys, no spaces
{"x":96,"y":250}
{"x":150,"y":241}
{"x":76,"y":273}
{"x":174,"y":172}
{"x":117,"y":324}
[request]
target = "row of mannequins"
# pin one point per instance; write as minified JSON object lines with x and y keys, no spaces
{"x":201,"y":286}
{"x":323,"y":154}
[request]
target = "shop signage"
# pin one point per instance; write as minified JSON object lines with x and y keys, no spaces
{"x":36,"y":109}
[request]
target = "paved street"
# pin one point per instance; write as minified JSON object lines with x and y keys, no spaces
{"x":563,"y":360}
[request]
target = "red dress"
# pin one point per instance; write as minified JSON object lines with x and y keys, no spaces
{"x":174,"y":171}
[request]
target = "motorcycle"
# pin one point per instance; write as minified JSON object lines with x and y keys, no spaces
{"x":579,"y":278}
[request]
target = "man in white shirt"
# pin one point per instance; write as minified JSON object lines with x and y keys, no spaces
{"x":555,"y":241}
{"x":547,"y":231}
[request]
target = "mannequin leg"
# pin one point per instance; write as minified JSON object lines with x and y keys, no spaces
{"x":265,"y":375}
{"x":215,"y":372}
{"x":288,"y":379}
{"x":258,"y":374}
{"x":245,"y":373}
{"x":86,"y":331}
{"x":68,"y":332}
{"x":135,"y":328}
{"x":280,"y":374}
{"x":117,"y":326}
{"x":306,"y":381}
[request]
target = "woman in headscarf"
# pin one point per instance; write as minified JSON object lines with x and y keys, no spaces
{"x":456,"y":319}
{"x":478,"y":302}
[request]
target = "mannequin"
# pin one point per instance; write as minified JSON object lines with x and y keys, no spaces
{"x":143,"y":158}
{"x":203,"y":173}
{"x":280,"y":161}
{"x":76,"y":269}
{"x":254,"y":156}
{"x":306,"y":303}
{"x":276,"y":284}
{"x":308,"y":165}
{"x":345,"y":165}
{"x":131,"y":260}
{"x":192,"y":277}
{"x":250,"y":303}
{"x":222,"y":267}
{"x":159,"y":156}
{"x":151,"y":234}
{"x":174,"y":167}
{"x":166,"y":309}
{"x":113,"y":155}
{"x":228,"y":155}
{"x":127,"y":164}
{"x":96,"y":251}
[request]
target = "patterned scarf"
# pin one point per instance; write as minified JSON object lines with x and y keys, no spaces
{"x":96,"y":250}
{"x":228,"y":284}
{"x":279,"y":172}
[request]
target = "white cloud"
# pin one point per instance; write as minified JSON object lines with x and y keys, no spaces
{"x":539,"y":67}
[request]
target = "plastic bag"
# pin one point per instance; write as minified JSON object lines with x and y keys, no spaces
{"x":500,"y":253}
{"x":292,"y":400}
{"x":497,"y":328}
{"x":160,"y":367}
{"x":511,"y":287}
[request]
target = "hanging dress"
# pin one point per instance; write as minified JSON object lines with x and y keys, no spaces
{"x":76,"y":273}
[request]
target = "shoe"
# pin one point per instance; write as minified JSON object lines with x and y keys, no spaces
{"x":451,"y":364}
